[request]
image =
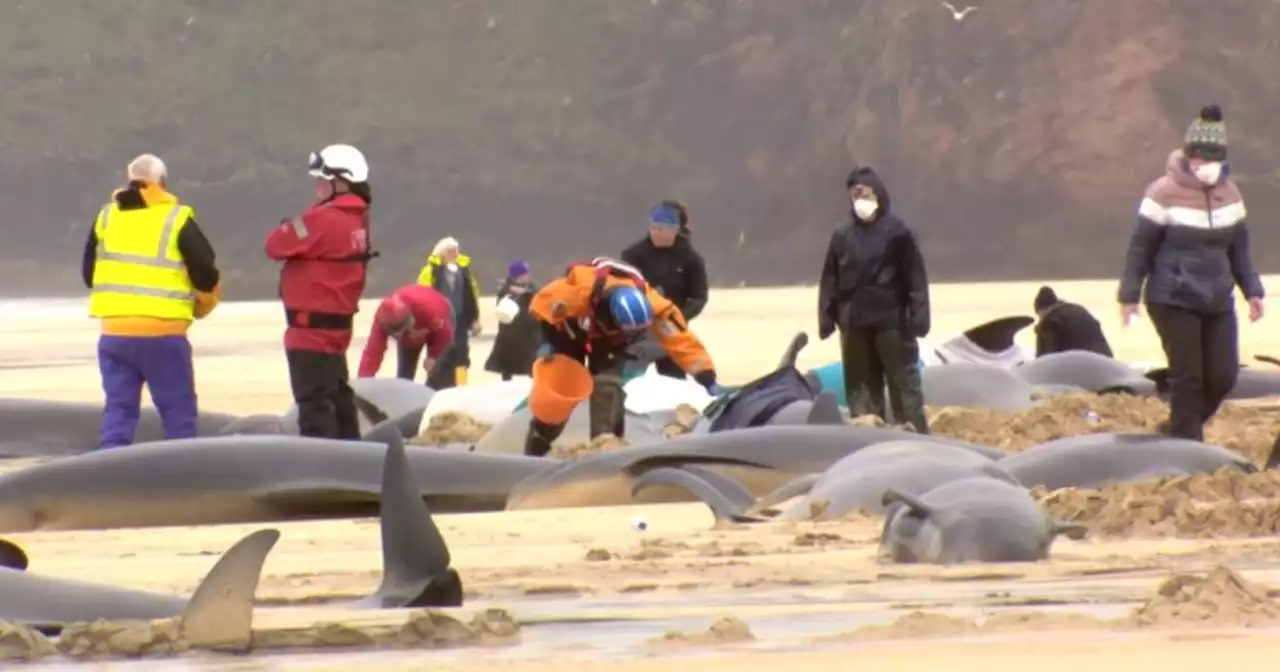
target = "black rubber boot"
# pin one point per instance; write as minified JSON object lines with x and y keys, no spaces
{"x":537,"y":443}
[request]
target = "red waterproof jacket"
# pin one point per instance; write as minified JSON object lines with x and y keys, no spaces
{"x":326,"y":254}
{"x":432,"y":326}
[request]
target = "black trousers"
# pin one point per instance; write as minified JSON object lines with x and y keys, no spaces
{"x":407,"y":362}
{"x":445,"y":375}
{"x":441,"y":376}
{"x":608,"y":400}
{"x":321,"y":389}
{"x":668,"y":367}
{"x":874,"y":359}
{"x":1203,"y":352}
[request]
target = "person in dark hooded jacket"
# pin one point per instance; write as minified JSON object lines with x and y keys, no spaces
{"x":1065,"y":326}
{"x":875,"y":291}
{"x":668,"y":261}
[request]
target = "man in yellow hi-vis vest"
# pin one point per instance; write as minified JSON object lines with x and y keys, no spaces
{"x":448,"y":271}
{"x":150,"y":272}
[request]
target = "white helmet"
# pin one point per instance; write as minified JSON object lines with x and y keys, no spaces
{"x":342,"y":161}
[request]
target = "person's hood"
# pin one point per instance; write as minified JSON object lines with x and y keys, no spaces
{"x":142,"y":193}
{"x":867,"y":177}
{"x":1179,"y":171}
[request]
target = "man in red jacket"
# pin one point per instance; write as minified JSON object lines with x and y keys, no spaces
{"x":415,"y":316}
{"x":326,"y":255}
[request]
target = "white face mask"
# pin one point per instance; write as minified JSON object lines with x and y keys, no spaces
{"x":865,"y":208}
{"x":1209,"y":173}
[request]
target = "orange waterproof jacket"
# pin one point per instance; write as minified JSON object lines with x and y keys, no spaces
{"x":576,"y":296}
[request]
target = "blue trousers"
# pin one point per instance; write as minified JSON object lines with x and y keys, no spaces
{"x":164,"y":364}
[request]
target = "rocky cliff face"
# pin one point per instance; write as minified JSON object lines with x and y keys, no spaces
{"x":1016,"y":141}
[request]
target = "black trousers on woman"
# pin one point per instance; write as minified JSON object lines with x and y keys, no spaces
{"x":1203,"y":351}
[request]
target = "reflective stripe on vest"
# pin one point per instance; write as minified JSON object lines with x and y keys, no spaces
{"x":143,"y":291}
{"x":137,"y":283}
{"x":159,"y":260}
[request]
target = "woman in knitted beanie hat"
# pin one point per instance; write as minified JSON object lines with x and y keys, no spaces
{"x":1189,"y":252}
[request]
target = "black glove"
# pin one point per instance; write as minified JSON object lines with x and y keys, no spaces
{"x":707,"y":379}
{"x":826,"y":327}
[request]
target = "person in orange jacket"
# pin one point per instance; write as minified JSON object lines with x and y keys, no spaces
{"x":592,"y":314}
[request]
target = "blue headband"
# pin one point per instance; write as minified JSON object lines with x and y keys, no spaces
{"x":664,"y":215}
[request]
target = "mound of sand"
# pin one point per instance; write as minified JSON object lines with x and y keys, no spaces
{"x":726,"y":630}
{"x":164,"y":638}
{"x":686,"y":417}
{"x":601,"y":444}
{"x":930,"y":625}
{"x":457,"y":427}
{"x":1226,"y":504}
{"x":1247,"y":428}
{"x":451,"y":427}
{"x":1220,"y":598}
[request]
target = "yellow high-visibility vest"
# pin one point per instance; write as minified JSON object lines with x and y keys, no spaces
{"x":427,"y":276}
{"x":139,"y":271}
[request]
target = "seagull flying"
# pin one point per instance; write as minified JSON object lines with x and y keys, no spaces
{"x":959,"y":15}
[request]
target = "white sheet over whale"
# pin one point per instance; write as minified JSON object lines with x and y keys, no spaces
{"x":493,"y":402}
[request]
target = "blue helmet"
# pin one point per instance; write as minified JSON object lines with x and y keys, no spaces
{"x":630,"y":308}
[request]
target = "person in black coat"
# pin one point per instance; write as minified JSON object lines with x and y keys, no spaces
{"x":669,"y":263}
{"x":875,"y":291}
{"x":516,"y":346}
{"x":1066,"y":326}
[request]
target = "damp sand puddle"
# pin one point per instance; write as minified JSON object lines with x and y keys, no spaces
{"x":584,"y":637}
{"x":667,"y":623}
{"x":568,"y":631}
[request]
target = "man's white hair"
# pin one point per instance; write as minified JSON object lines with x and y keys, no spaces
{"x":148,"y":167}
{"x":447,"y":243}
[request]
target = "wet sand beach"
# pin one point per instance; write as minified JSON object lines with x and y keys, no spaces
{"x":591,"y":590}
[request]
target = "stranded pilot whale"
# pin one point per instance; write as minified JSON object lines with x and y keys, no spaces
{"x":240,"y":479}
{"x":783,"y":396}
{"x":1094,"y":460}
{"x":1250,"y":383}
{"x":46,"y":428}
{"x":970,"y":520}
{"x":856,"y":482}
{"x":759,"y":458}
{"x":416,"y":572}
{"x":218,"y":614}
{"x":1086,"y":370}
